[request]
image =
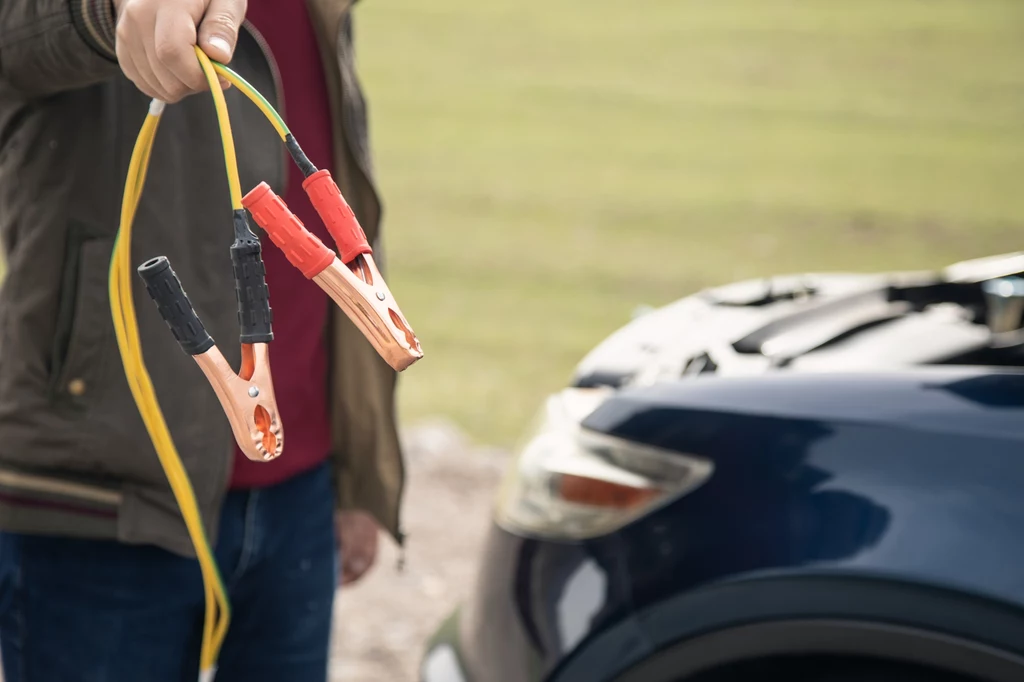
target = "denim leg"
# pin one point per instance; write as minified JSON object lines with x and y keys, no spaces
{"x":282,"y":591}
{"x":91,"y":611}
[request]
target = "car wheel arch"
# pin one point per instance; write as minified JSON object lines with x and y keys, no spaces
{"x":841,"y":639}
{"x":812,"y":614}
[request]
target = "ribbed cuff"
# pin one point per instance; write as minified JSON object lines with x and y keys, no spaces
{"x":96,"y":21}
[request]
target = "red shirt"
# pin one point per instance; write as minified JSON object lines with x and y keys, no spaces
{"x":298,"y":353}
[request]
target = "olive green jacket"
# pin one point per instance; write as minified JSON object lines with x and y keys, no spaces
{"x":75,"y":457}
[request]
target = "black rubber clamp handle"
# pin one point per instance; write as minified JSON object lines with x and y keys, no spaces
{"x":172,"y":302}
{"x":254,"y":313}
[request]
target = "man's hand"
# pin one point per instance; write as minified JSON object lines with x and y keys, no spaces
{"x":156,"y":42}
{"x":358,"y":535}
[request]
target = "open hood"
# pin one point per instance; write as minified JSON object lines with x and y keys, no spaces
{"x":969,"y":313}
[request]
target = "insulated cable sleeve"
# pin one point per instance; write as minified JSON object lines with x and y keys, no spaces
{"x":299,"y":156}
{"x":254,"y":313}
{"x":246,"y":88}
{"x":164,"y":288}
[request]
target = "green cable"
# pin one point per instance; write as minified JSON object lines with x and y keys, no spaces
{"x":258,"y":99}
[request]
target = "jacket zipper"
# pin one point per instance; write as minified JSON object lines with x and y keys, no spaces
{"x":275,"y":73}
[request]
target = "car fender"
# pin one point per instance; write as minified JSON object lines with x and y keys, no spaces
{"x":806,"y":612}
{"x":906,"y":480}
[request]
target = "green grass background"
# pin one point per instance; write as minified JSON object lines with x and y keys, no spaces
{"x":549,"y":166}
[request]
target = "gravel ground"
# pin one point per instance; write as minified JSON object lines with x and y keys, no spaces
{"x":383,"y":621}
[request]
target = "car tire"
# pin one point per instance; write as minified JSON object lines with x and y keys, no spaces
{"x":879,"y":671}
{"x":824,"y":669}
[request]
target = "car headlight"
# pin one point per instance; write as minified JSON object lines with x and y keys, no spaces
{"x":567,"y":482}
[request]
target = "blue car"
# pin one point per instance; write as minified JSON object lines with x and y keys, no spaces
{"x":817,"y":478}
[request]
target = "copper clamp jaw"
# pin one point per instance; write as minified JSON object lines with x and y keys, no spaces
{"x":247,"y":397}
{"x":350,"y":277}
{"x":360,"y":290}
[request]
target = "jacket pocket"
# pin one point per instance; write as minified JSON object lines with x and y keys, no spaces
{"x":83,"y":318}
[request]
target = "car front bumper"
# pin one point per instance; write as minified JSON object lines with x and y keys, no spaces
{"x":535,"y":603}
{"x":442,"y":661}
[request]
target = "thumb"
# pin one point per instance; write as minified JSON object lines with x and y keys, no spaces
{"x":218,"y":32}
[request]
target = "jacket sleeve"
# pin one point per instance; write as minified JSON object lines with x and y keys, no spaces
{"x":47,"y":46}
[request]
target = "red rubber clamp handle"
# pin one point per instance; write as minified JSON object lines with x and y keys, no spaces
{"x":302,"y":248}
{"x":337,"y":215}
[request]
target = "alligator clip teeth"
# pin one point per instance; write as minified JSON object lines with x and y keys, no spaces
{"x":358,"y":287}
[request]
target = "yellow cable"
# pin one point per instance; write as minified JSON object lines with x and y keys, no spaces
{"x":225,"y":128}
{"x":126,"y":330}
{"x":217,"y":611}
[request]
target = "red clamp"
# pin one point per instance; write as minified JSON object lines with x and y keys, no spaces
{"x":356,"y":287}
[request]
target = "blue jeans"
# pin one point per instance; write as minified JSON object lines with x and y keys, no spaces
{"x":94,"y":611}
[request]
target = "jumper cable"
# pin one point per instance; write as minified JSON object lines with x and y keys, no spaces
{"x":247,"y":397}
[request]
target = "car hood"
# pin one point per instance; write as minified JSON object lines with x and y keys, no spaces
{"x":965,"y":401}
{"x":812,"y":323}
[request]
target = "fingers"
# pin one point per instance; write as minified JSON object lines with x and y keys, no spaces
{"x":132,"y":71}
{"x":173,"y":41}
{"x":355,"y":564}
{"x":358,"y":535}
{"x":354,"y":568}
{"x":171,"y":86}
{"x":156,"y":42}
{"x":218,"y":32}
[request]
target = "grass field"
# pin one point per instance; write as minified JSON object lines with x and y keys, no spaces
{"x":549,"y":166}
